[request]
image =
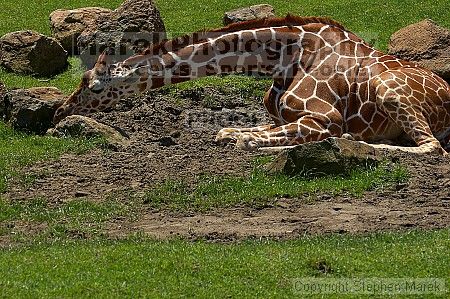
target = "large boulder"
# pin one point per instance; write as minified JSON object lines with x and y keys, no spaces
{"x":31,"y":110}
{"x":68,"y":25}
{"x":29,"y":52}
{"x":425,"y":43}
{"x":334,"y":156}
{"x":83,"y":126}
{"x":128,"y":30}
{"x":260,"y":11}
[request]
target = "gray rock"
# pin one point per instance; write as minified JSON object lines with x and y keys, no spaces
{"x":249,"y":13}
{"x":129,"y":29}
{"x":68,"y":25}
{"x":82,"y":126}
{"x":425,"y":43}
{"x":329,"y":156}
{"x":31,"y":110}
{"x":31,"y":53}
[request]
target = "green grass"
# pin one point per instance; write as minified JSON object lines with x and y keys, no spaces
{"x":86,"y":219}
{"x":373,"y":21}
{"x":56,"y":265}
{"x":79,"y":218}
{"x":82,"y":218}
{"x":368,"y":18}
{"x":246,"y":86}
{"x":381,"y":19}
{"x":66,"y":82}
{"x":76,"y":210}
{"x":18,"y":150}
{"x":139,"y":267}
{"x":213,"y":92}
{"x":261,"y":189}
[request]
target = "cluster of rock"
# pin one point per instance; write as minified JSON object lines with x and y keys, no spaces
{"x":136,"y":24}
{"x":87,"y":32}
{"x":31,"y":110}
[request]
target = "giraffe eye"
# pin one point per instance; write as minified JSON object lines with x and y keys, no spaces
{"x":96,"y":86}
{"x":97,"y":91}
{"x":100,"y":71}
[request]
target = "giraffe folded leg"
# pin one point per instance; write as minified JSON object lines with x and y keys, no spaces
{"x":306,"y":129}
{"x":398,"y":102}
{"x":426,"y":148}
{"x":230,"y":135}
{"x":227,"y":135}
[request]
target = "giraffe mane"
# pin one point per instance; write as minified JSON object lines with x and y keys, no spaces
{"x":289,"y":20}
{"x":200,"y":36}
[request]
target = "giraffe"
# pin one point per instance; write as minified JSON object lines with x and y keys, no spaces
{"x":327,"y":82}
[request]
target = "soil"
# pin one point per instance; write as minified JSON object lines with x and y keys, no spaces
{"x":172,"y":137}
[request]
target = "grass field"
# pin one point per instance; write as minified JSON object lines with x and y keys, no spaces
{"x":87,"y":219}
{"x":261,"y":189}
{"x":253,"y":269}
{"x":73,"y":258}
{"x":18,"y":150}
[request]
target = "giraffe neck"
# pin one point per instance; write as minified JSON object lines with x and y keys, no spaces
{"x":286,"y":53}
{"x":271,"y":51}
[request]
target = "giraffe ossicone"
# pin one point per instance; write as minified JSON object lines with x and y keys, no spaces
{"x":327,"y":82}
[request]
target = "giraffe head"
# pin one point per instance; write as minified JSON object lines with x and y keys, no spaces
{"x":100,"y":88}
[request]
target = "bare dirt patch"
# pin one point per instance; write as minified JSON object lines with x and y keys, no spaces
{"x":173,"y":138}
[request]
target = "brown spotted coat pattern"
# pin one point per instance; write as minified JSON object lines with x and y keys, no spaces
{"x":327,"y":82}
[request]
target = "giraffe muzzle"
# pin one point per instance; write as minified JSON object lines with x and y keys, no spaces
{"x":61,"y":113}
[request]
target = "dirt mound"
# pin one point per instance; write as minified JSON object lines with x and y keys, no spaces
{"x":171,"y":136}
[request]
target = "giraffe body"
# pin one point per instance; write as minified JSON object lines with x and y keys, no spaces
{"x":327,"y":82}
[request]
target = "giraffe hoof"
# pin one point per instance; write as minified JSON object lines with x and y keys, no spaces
{"x":348,"y":136}
{"x":225,"y":140}
{"x":226,"y":136}
{"x":441,"y":151}
{"x":246,"y":142}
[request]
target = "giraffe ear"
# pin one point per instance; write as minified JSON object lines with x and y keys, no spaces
{"x":103,"y":58}
{"x":102,"y":62}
